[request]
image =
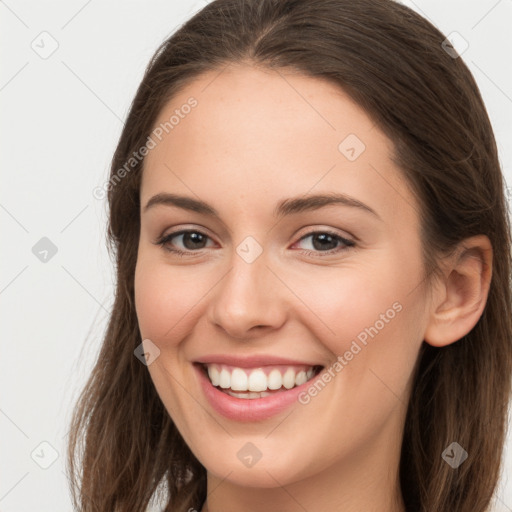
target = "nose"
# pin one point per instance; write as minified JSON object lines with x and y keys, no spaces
{"x":249,"y":300}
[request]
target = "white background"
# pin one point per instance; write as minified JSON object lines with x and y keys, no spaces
{"x":60,"y":121}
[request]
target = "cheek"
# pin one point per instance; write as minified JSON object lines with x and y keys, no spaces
{"x":351,"y":303}
{"x":370,"y":318}
{"x":167,"y":301}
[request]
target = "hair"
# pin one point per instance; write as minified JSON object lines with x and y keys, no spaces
{"x":391,"y":62}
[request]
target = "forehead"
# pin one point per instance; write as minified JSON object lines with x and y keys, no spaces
{"x":261,"y":134}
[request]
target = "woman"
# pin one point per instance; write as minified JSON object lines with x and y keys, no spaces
{"x":249,"y":366}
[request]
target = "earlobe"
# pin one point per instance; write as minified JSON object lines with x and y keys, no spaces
{"x":459,"y":301}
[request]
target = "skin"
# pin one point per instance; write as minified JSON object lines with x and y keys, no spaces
{"x":256,"y":137}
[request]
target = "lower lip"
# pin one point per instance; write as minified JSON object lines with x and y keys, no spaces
{"x":248,"y":409}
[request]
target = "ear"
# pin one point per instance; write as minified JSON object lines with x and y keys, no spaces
{"x":459,"y":299}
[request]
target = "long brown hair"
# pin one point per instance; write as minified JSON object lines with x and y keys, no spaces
{"x":391,"y":62}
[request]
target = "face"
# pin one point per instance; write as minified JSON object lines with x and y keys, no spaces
{"x":269,"y":279}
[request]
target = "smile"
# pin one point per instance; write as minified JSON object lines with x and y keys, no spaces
{"x":248,"y":391}
{"x":252,"y":383}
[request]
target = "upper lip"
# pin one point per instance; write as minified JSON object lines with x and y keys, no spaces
{"x":252,"y":361}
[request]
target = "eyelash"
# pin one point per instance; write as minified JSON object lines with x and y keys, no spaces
{"x":162,"y":241}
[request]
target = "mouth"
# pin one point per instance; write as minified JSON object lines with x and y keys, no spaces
{"x":258,"y":382}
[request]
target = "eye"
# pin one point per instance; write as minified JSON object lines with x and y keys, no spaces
{"x":191,"y":239}
{"x":326,"y":242}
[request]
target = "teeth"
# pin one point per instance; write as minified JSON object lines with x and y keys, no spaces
{"x":300,"y":378}
{"x":248,"y":395}
{"x":275,"y":381}
{"x":225,"y":379}
{"x":256,"y":381}
{"x":289,"y":379}
{"x":214,"y":375}
{"x":239,"y":381}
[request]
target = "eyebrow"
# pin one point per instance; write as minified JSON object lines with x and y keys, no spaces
{"x":285,"y":207}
